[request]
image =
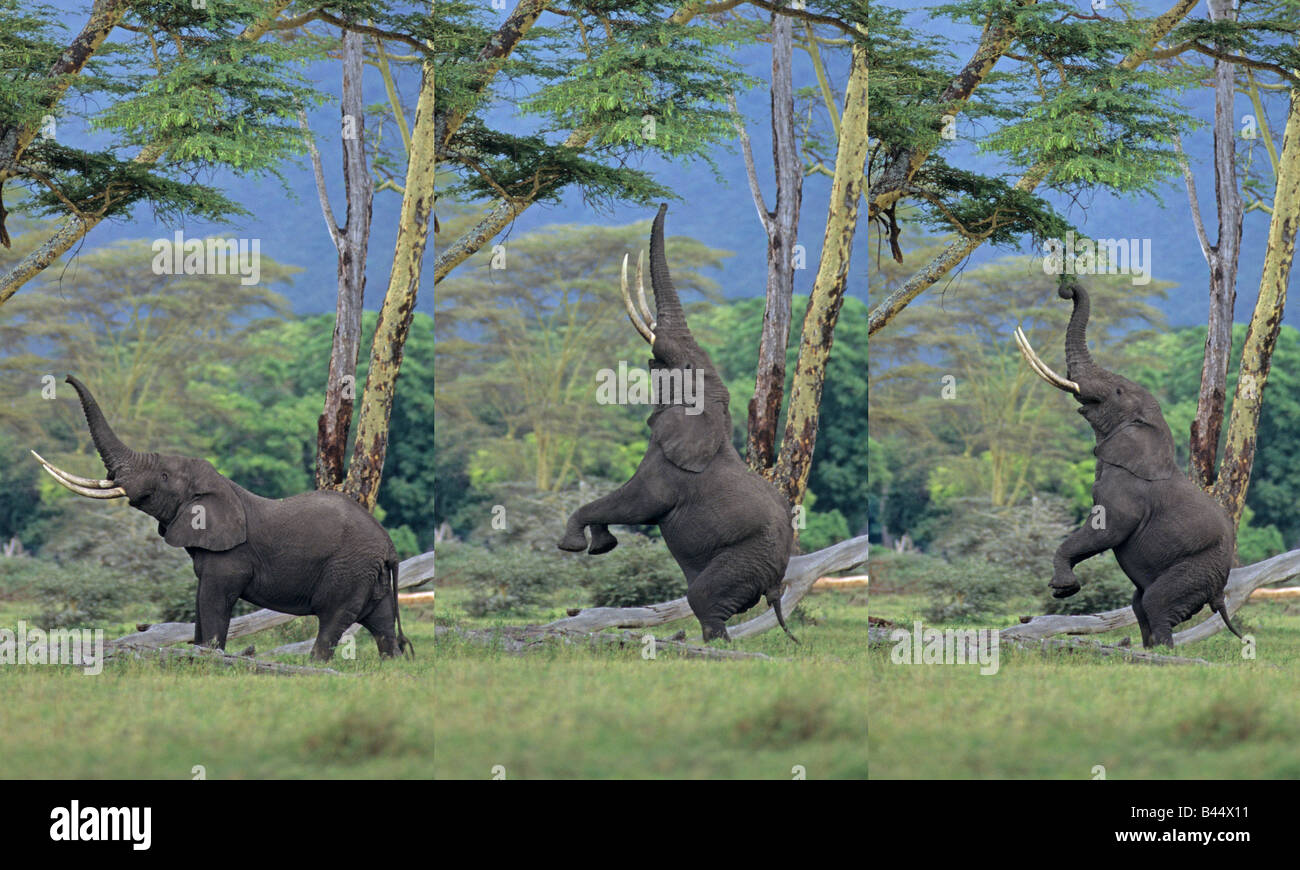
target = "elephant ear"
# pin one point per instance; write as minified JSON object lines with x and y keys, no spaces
{"x":212,"y":517}
{"x":690,"y":441}
{"x":1140,"y":448}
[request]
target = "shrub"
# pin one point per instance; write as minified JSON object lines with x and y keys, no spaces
{"x":1104,"y":584}
{"x":637,"y":572}
{"x":970,"y":587}
{"x":104,"y":563}
{"x":503,"y":579}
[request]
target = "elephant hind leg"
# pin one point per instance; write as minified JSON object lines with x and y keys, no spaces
{"x":1174,"y":597}
{"x":1144,"y":623}
{"x":724,"y":587}
{"x":381,"y":623}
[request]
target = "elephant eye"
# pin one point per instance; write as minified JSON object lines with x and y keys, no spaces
{"x":1119,"y":391}
{"x":164,"y":475}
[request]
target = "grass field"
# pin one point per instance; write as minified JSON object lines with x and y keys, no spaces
{"x":559,"y":712}
{"x":1060,"y":715}
{"x":144,"y":719}
{"x":569,"y":712}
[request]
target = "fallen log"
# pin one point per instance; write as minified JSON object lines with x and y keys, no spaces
{"x":412,"y":572}
{"x":1241,"y":583}
{"x":521,"y":639}
{"x":800,"y":575}
{"x":166,"y":653}
{"x":851,"y":582}
{"x":881,"y":636}
{"x":1267,"y":594}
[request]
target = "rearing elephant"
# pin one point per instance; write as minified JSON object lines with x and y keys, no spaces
{"x":1173,"y":540}
{"x":728,"y":528}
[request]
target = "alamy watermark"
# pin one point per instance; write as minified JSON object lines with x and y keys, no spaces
{"x":1085,"y":256}
{"x":181,"y":256}
{"x":637,"y":386}
{"x":83,"y":647}
{"x":946,"y":646}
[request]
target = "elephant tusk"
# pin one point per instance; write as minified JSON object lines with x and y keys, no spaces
{"x":91,"y":482}
{"x":87,"y":491}
{"x":632,"y":315}
{"x":1042,"y":369}
{"x":640,"y":290}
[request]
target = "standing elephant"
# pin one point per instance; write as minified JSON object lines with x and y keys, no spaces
{"x":728,"y":528}
{"x":1173,"y":540}
{"x":318,"y":552}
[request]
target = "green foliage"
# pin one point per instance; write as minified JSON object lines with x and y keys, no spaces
{"x":638,"y":571}
{"x":1257,"y":543}
{"x":106,"y":564}
{"x":614,"y":68}
{"x":206,"y":98}
{"x":505,"y":579}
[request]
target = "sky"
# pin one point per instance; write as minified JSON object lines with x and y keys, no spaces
{"x":292,"y":230}
{"x":1167,"y":222}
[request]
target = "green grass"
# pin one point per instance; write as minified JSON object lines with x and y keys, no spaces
{"x":576,"y":712}
{"x":146,"y":719}
{"x":1058,"y":714}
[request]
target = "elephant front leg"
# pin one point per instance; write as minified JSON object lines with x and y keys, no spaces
{"x":212,"y":621}
{"x":631,"y":504}
{"x":1085,"y":542}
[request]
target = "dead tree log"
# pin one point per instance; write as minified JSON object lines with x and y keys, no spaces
{"x":800,"y":575}
{"x":1241,"y":583}
{"x":174,"y":654}
{"x":521,"y":639}
{"x":881,"y":636}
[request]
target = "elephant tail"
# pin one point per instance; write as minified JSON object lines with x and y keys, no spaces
{"x":1220,"y":608}
{"x":774,"y":601}
{"x":403,"y":643}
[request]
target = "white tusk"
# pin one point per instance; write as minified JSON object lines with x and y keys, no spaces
{"x":1043,"y":370}
{"x":637,"y":322}
{"x":88,"y":492}
{"x":72,"y":478}
{"x":640,"y":291}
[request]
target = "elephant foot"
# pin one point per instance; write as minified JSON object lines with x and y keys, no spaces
{"x":601,"y":541}
{"x":574,"y":542}
{"x":1064,"y":585}
{"x":1065,"y":591}
{"x":715,"y":631}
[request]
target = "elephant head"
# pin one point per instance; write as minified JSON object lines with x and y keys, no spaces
{"x":1131,"y":432}
{"x":692,"y":418}
{"x":194,"y":505}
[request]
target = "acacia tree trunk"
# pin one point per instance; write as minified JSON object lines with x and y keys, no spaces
{"x":367,"y":467}
{"x":781,"y":226}
{"x":351,"y":240}
{"x":1261,"y":336}
{"x":1222,"y":260}
{"x":827,"y":295}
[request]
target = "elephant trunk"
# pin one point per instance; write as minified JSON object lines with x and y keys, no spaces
{"x":116,"y":455}
{"x":1078,"y":361}
{"x":668,"y":308}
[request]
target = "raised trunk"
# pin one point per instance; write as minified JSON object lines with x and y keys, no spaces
{"x":116,"y":455}
{"x":668,"y":309}
{"x":1077,"y":358}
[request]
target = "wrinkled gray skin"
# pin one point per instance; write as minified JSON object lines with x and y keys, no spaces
{"x":728,"y":528}
{"x":1174,"y":541}
{"x":317,"y":553}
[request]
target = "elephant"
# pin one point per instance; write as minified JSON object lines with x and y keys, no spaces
{"x":317,"y":553}
{"x":729,"y":530}
{"x":1172,"y":539}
